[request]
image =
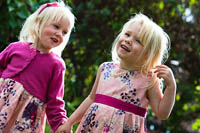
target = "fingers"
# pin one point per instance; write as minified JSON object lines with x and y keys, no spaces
{"x":157,"y":70}
{"x":165,"y":73}
{"x":162,"y":68}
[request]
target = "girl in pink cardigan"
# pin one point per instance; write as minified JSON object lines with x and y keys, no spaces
{"x":32,"y":72}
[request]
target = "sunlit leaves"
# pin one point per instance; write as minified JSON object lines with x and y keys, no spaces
{"x":197,"y":88}
{"x":196,"y":125}
{"x":161,"y":5}
{"x":192,"y":2}
{"x":178,"y":97}
{"x":185,"y":107}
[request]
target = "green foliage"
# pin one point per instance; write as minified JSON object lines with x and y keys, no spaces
{"x":196,"y":125}
{"x":98,"y":23}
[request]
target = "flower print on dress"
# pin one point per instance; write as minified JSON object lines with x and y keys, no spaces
{"x":107,"y":128}
{"x":8,"y":89}
{"x":120,"y":112}
{"x":136,"y":100}
{"x":10,"y":83}
{"x":94,"y":108}
{"x":3,"y":116}
{"x":126,"y":78}
{"x":107,"y":67}
{"x":89,"y":121}
{"x":127,"y":129}
{"x":26,"y":118}
{"x":29,"y":116}
{"x":130,"y":97}
{"x":30,"y":111}
{"x":22,"y":126}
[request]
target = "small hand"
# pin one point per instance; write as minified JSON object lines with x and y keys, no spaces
{"x":64,"y":128}
{"x":166,"y":73}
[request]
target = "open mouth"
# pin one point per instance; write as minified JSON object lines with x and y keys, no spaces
{"x":125,"y":48}
{"x":54,"y":40}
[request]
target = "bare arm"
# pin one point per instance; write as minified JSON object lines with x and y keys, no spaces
{"x":80,"y":111}
{"x":162,"y":104}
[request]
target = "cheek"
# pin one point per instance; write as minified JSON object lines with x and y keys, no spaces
{"x":44,"y":33}
{"x":118,"y":47}
{"x":48,"y":31}
{"x":138,"y":50}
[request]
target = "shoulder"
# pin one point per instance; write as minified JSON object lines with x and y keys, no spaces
{"x":108,"y":65}
{"x":18,"y":47}
{"x":56,"y":61}
{"x":19,"y":44}
{"x":14,"y":45}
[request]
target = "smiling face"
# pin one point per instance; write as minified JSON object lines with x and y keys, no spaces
{"x":52,"y":35}
{"x":129,"y":46}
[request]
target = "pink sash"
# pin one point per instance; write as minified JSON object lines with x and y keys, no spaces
{"x":116,"y":103}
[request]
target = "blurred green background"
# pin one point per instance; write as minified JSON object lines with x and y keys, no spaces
{"x":97,"y":24}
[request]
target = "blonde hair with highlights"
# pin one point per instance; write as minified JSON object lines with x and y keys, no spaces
{"x":156,"y":44}
{"x":155,"y":41}
{"x":34,"y":24}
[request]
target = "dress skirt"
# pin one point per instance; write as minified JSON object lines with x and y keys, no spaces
{"x":111,"y":115}
{"x":19,"y":110}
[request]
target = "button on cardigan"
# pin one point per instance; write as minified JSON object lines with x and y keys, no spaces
{"x":42,"y":75}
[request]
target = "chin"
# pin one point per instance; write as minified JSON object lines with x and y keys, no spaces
{"x":121,"y":57}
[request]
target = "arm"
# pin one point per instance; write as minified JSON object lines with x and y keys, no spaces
{"x":80,"y":111}
{"x":55,"y":109}
{"x":162,"y":104}
{"x":5,"y":58}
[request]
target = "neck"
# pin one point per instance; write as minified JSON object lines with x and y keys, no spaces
{"x":42,"y":50}
{"x":130,"y":67}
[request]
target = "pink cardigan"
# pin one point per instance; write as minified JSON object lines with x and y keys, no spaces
{"x":42,"y":75}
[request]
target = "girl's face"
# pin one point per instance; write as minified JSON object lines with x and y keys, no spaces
{"x":129,"y":46}
{"x":53,"y":34}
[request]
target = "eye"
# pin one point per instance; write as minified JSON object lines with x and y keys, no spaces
{"x":56,"y":26}
{"x":64,"y":32}
{"x":127,"y":34}
{"x":138,"y":41}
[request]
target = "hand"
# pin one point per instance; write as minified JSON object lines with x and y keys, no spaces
{"x":64,"y":128}
{"x":166,"y":73}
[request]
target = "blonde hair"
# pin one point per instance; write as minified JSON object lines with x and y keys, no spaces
{"x":34,"y":24}
{"x":155,"y":41}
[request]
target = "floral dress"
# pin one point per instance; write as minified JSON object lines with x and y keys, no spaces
{"x":20,"y":111}
{"x":126,"y":105}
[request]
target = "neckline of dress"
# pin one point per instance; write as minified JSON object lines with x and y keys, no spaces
{"x":36,"y":50}
{"x":121,"y":72}
{"x":118,"y":66}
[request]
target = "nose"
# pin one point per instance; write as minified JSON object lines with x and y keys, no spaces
{"x":59,"y":35}
{"x":128,"y":40}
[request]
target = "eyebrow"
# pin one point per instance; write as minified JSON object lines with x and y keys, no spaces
{"x":128,"y":31}
{"x":136,"y":36}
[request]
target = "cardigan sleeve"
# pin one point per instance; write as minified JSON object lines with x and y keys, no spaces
{"x":5,"y":58}
{"x":55,"y":111}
